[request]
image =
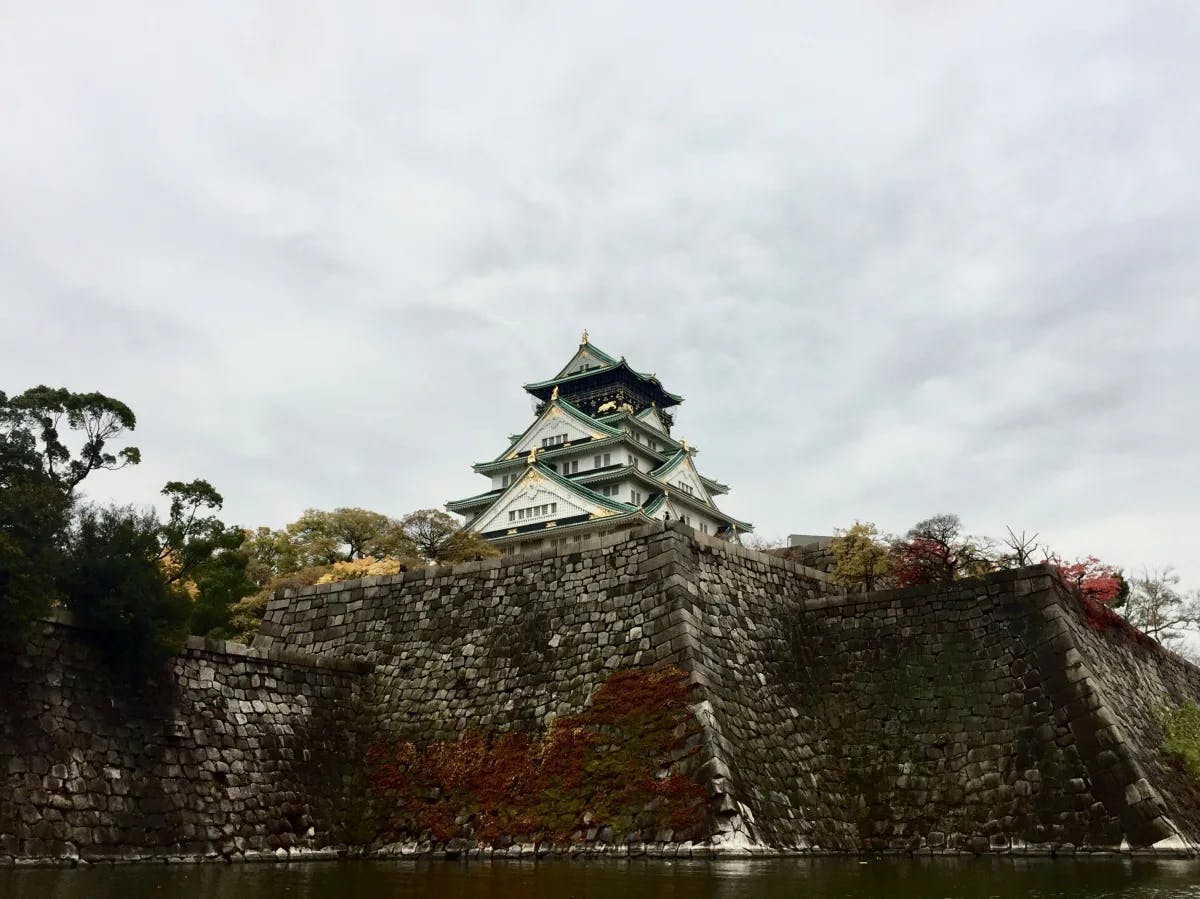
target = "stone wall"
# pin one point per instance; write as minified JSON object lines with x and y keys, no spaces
{"x":919,"y":720}
{"x":504,"y":643}
{"x":235,"y":752}
{"x":992,"y":716}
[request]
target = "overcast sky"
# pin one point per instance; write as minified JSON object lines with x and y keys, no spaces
{"x":900,"y":258}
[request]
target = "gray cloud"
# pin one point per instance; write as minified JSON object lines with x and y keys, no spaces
{"x":899,"y":259}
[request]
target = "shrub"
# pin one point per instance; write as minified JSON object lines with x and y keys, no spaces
{"x":1182,"y":728}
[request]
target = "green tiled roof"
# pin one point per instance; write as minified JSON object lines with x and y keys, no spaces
{"x":594,"y":350}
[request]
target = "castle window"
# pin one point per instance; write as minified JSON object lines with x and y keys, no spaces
{"x":556,"y":440}
{"x":570,"y":467}
{"x":539,"y":511}
{"x":635,"y":496}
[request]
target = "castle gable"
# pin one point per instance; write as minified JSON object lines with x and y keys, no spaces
{"x":539,"y":496}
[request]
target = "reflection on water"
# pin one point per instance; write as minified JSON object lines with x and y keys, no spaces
{"x":940,"y":878}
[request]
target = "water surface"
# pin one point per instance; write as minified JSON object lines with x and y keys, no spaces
{"x":937,"y":878}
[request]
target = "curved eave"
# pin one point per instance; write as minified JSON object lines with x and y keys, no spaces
{"x":682,"y":498}
{"x":645,"y":428}
{"x":481,"y":499}
{"x":606,"y":521}
{"x":673,"y":462}
{"x":539,"y":388}
{"x":621,"y":438}
{"x":670,"y":465}
{"x":622,"y":472}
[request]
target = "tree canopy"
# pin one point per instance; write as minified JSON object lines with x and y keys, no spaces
{"x":35,"y":419}
{"x":862,"y":558}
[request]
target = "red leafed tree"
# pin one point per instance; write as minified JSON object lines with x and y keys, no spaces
{"x":921,"y":560}
{"x":1094,"y":579}
{"x":935,"y":551}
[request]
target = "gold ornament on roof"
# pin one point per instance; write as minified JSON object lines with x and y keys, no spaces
{"x":584,"y":339}
{"x":532,"y":455}
{"x":554,"y":393}
{"x":683,"y":443}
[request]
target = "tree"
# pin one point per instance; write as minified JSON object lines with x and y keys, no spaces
{"x":34,"y":420}
{"x":1021,"y":549}
{"x":205,"y":556}
{"x":935,"y":551}
{"x":1155,"y":606}
{"x":34,"y":513}
{"x":38,"y":476}
{"x":113,"y":581}
{"x":345,"y":534}
{"x":439,"y":538}
{"x":861,"y":558}
{"x":1093,"y":579}
{"x":270,"y":554}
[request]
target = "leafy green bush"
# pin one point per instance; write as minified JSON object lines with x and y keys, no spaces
{"x":112,"y":580}
{"x":1182,"y":727}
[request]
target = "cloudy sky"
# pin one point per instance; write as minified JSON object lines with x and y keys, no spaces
{"x":900,"y":258}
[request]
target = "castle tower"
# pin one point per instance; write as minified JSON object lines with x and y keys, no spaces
{"x":598,"y":457}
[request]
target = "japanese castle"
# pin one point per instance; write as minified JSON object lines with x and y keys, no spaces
{"x":598,"y":457}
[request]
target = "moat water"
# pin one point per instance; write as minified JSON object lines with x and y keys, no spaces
{"x":941,"y":878}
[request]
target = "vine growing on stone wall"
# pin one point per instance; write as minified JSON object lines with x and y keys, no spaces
{"x":619,"y":765}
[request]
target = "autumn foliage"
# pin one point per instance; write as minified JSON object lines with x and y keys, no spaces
{"x":1093,"y":579}
{"x":615,"y":765}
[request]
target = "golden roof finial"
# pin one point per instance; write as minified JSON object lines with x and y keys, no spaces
{"x":584,"y":339}
{"x":554,"y":393}
{"x":532,"y":455}
{"x":683,"y":443}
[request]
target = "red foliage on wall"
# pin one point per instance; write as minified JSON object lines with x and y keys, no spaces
{"x":616,"y":764}
{"x":1099,"y":587}
{"x":1093,"y":579}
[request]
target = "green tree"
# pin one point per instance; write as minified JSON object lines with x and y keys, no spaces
{"x":35,"y":420}
{"x":38,"y":476}
{"x":34,"y":513}
{"x":270,"y":553}
{"x":112,"y":579}
{"x":861,"y":557}
{"x":200,"y":552}
{"x":440,"y":538}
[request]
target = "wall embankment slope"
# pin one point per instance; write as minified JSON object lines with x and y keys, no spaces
{"x":991,"y":716}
